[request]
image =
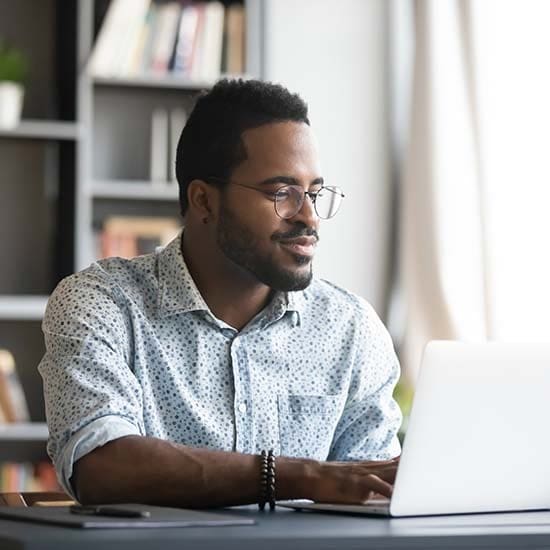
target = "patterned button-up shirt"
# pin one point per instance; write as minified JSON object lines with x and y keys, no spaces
{"x":133,"y":349}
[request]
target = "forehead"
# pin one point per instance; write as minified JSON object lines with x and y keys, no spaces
{"x":280,"y":148}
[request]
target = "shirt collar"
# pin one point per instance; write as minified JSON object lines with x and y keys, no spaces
{"x":178,"y":292}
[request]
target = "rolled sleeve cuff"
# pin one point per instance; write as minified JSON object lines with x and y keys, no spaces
{"x":93,"y":435}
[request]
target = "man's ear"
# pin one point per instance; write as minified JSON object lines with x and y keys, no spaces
{"x":202,"y":199}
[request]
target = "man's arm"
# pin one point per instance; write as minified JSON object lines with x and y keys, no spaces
{"x":367,"y":429}
{"x":154,"y":471}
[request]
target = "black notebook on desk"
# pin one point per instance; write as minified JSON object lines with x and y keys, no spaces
{"x":159,"y":516}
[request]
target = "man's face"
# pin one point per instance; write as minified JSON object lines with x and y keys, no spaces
{"x":277,"y":252}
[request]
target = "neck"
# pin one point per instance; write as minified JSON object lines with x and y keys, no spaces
{"x":232,"y":294}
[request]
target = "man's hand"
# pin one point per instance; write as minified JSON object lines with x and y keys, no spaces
{"x":353,"y":482}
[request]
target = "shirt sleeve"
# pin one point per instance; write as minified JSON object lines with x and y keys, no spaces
{"x":368,"y":427}
{"x":91,"y":394}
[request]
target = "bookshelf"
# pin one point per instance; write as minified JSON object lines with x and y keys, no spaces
{"x":136,"y":190}
{"x":80,"y":155}
{"x":39,"y":129}
{"x":17,"y":307}
{"x":23,"y":442}
{"x":153,"y":82}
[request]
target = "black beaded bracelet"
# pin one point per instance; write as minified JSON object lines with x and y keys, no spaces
{"x":267,"y":480}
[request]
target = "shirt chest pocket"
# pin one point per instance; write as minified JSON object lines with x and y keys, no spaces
{"x":307,"y":424}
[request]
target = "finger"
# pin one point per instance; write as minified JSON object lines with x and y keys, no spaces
{"x":370,"y":463}
{"x":382,"y":470}
{"x":377,"y":485}
{"x":387,"y":474}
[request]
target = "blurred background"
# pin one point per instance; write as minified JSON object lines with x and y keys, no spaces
{"x":430,"y":115}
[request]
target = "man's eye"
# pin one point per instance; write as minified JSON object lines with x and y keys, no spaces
{"x":282,"y":194}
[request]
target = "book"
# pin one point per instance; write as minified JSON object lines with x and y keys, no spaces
{"x":129,"y":236}
{"x":187,"y":34}
{"x":12,"y":397}
{"x":234,"y":40}
{"x":167,"y":23}
{"x":178,"y":118}
{"x":26,"y":476}
{"x":133,"y":36}
{"x":197,"y":51}
{"x":107,"y":40}
{"x":118,"y":37}
{"x":140,"y":58}
{"x":211,"y":41}
{"x":159,"y":146}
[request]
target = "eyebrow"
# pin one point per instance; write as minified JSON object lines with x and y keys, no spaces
{"x":289,"y":180}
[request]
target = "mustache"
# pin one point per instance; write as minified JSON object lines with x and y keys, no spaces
{"x":295,"y":233}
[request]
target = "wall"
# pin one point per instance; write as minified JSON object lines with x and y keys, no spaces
{"x":335,"y":55}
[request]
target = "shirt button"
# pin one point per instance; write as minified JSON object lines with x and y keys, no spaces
{"x":242,"y":408}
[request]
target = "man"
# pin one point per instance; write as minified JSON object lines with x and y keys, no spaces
{"x":166,"y":375}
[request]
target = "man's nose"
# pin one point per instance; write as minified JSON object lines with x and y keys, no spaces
{"x":307,"y":214}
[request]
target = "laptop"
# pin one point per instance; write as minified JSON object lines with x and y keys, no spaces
{"x":478,"y":438}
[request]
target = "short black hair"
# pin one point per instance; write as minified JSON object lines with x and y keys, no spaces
{"x":211,"y":144}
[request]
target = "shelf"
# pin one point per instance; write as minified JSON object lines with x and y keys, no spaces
{"x":135,"y":190}
{"x":19,"y":308}
{"x":155,"y":81}
{"x":23,"y":442}
{"x":43,"y":129}
{"x":177,"y":83}
{"x":23,"y":431}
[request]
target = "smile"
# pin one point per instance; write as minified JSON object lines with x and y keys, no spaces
{"x":303,"y":246}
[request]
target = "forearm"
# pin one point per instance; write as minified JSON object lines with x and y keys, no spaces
{"x":153,"y":471}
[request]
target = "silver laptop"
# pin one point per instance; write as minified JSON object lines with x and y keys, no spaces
{"x":478,"y":438}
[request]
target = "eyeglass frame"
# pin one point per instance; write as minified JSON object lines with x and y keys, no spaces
{"x":311,"y":194}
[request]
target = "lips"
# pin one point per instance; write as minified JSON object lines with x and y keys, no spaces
{"x":303,"y":246}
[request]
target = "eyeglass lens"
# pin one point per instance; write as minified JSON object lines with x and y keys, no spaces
{"x":289,"y":201}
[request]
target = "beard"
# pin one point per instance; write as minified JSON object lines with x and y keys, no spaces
{"x":242,"y":247}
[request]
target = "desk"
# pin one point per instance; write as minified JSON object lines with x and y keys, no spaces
{"x":289,"y":530}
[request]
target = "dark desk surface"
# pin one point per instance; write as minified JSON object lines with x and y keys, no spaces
{"x":288,"y":530}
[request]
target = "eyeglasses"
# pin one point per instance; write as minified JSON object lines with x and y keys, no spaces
{"x":289,"y":199}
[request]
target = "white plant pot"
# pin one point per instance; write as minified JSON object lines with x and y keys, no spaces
{"x":11,"y":104}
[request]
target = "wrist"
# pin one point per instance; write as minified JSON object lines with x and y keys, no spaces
{"x":297,"y":478}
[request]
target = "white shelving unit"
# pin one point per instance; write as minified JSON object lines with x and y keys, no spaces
{"x":37,"y":186}
{"x":19,"y":308}
{"x":40,"y":129}
{"x":115,"y":113}
{"x":135,"y":190}
{"x":154,"y":81}
{"x":24,"y":431}
{"x":23,"y":442}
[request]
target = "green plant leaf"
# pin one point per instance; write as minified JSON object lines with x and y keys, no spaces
{"x":13,"y":65}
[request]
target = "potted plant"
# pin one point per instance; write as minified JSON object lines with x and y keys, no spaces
{"x":13,"y":72}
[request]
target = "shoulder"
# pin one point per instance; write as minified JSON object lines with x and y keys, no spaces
{"x":107,"y":282}
{"x":337,"y":308}
{"x":322,"y":294}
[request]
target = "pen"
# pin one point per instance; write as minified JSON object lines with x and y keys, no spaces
{"x":111,"y":511}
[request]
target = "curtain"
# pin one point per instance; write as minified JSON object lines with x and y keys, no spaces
{"x":475,"y":186}
{"x":442,"y":224}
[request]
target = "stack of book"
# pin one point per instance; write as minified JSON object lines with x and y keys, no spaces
{"x":166,"y":127}
{"x":196,"y":41}
{"x":129,"y":236}
{"x":13,"y":404}
{"x":15,"y":476}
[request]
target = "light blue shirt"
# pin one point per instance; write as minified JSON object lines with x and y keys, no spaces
{"x":133,"y":349}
